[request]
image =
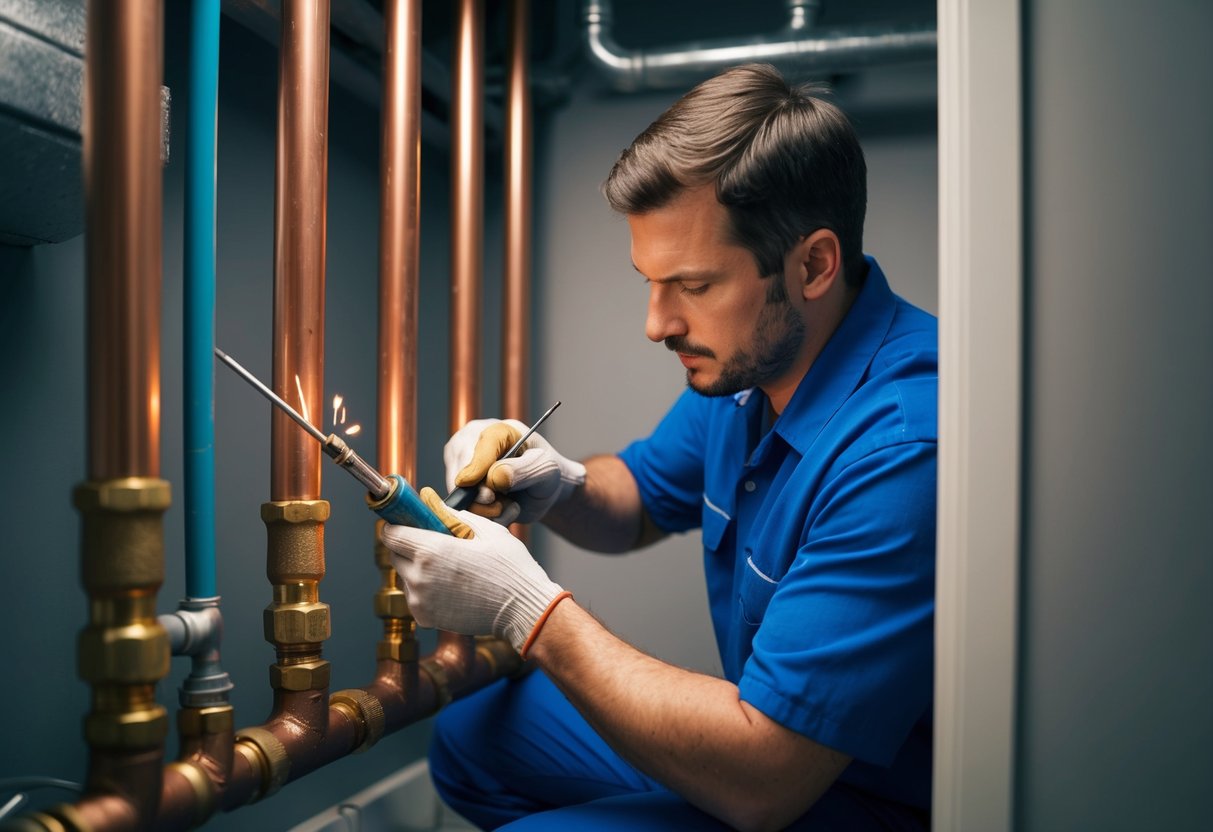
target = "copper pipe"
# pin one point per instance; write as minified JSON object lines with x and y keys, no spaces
{"x":301,"y":173}
{"x":467,"y":212}
{"x":123,"y":212}
{"x":399,"y":241}
{"x":516,"y":323}
{"x":467,"y":254}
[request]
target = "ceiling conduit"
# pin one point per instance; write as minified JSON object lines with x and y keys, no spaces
{"x":794,"y":49}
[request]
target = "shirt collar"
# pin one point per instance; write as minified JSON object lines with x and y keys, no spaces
{"x":837,"y":371}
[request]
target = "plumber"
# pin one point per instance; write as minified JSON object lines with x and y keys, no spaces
{"x":804,"y":448}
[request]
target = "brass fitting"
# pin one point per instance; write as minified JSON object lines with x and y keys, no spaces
{"x":306,"y":623}
{"x":124,"y":650}
{"x":295,"y":540}
{"x":391,"y":603}
{"x":296,"y":622}
{"x":123,"y":535}
{"x":307,"y":675}
{"x":397,"y":651}
{"x":199,"y":722}
{"x":125,"y":718}
{"x":365,"y":711}
{"x":135,"y":654}
{"x":267,"y":755}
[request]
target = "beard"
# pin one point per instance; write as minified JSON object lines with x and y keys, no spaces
{"x":776,"y":340}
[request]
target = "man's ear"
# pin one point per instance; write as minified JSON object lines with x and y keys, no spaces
{"x":817,"y":260}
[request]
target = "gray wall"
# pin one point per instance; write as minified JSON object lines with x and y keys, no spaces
{"x":1116,"y":729}
{"x":41,"y":333}
{"x":590,"y":351}
{"x":615,"y":384}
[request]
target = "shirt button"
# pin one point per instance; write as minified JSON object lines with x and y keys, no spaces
{"x":749,"y":485}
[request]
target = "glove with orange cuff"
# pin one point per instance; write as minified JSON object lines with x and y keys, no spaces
{"x":521,"y":489}
{"x":480,"y":581}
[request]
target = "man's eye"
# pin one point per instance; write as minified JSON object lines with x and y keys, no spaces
{"x":694,"y":289}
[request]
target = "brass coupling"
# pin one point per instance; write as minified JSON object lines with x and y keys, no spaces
{"x":266,"y":755}
{"x":306,"y":675}
{"x":201,"y":722}
{"x":122,"y":539}
{"x":123,"y":651}
{"x":296,"y":622}
{"x":365,"y":711}
{"x":294,"y":540}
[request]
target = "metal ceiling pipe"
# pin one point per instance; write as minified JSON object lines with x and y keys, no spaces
{"x":796,"y":50}
{"x":516,"y":323}
{"x":301,"y":189}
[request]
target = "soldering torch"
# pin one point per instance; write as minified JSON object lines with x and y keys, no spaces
{"x":391,"y":497}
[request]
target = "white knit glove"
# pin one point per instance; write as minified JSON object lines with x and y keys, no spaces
{"x":536,"y":480}
{"x":488,"y":584}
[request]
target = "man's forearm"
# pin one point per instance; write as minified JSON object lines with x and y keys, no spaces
{"x":689,"y":731}
{"x":605,"y":514}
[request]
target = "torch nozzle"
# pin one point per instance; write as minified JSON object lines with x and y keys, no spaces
{"x":345,"y":456}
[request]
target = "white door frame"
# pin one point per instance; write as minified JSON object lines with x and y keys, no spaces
{"x":981,"y":258}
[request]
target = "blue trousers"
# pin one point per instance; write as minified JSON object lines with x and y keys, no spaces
{"x":518,"y":754}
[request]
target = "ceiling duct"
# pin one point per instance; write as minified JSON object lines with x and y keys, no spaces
{"x":797,"y":49}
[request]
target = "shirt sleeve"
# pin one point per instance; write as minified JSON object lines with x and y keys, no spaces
{"x":668,"y":466}
{"x":845,"y":647}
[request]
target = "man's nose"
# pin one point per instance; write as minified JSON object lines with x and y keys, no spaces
{"x":664,"y":318}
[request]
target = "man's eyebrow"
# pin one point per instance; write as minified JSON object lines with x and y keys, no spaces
{"x":692,"y":276}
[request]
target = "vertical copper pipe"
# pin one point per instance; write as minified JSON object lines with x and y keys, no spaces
{"x":516,"y":322}
{"x":299,"y":245}
{"x":467,"y":211}
{"x":123,"y":204}
{"x":399,"y":241}
{"x":456,"y":654}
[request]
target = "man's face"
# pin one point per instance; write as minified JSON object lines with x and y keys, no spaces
{"x":731,"y":328}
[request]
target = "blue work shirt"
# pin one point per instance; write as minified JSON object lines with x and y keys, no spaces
{"x":819,"y":538}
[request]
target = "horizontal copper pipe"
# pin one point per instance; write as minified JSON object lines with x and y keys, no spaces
{"x":123,"y":213}
{"x":399,"y":240}
{"x":301,"y":174}
{"x":312,"y":734}
{"x":516,"y":323}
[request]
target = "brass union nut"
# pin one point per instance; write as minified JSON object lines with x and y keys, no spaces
{"x":197,"y":722}
{"x":132,"y":654}
{"x":297,"y":623}
{"x":306,"y":676}
{"x":144,"y":728}
{"x":392,"y":604}
{"x":397,"y":651}
{"x":125,"y":494}
{"x":295,"y":511}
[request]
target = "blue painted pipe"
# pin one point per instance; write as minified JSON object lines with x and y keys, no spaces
{"x":199,"y":296}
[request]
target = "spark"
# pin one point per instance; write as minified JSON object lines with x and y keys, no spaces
{"x":336,"y":406}
{"x":343,"y":415}
{"x":353,"y":430}
{"x":307,"y":417}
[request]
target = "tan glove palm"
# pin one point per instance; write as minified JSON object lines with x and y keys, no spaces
{"x":534,"y":481}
